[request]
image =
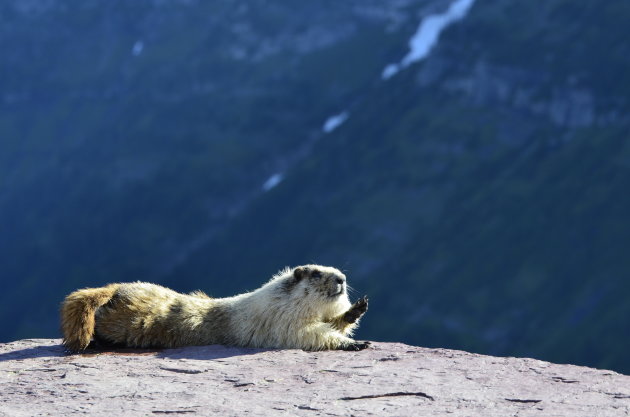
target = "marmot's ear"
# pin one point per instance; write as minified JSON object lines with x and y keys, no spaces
{"x":300,"y":272}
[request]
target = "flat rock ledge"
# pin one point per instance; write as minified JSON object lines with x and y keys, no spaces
{"x":38,"y":378}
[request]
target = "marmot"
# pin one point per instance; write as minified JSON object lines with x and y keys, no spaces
{"x":306,"y":307}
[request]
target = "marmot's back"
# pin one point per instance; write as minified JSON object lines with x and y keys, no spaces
{"x":149,"y":315}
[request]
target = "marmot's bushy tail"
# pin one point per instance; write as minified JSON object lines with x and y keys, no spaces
{"x":77,"y":315}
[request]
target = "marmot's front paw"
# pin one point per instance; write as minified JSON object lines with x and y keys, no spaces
{"x":355,"y":346}
{"x":357,"y":310}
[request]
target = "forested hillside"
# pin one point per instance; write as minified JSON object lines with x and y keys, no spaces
{"x":478,"y":196}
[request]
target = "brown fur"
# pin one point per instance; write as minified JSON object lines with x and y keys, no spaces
{"x":306,"y":307}
{"x":77,"y":314}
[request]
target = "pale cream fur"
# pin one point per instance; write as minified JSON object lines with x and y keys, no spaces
{"x":305,"y":307}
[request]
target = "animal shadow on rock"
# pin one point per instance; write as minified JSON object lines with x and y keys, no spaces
{"x":34,"y":352}
{"x":60,"y":350}
{"x":183,"y":352}
{"x":209,"y":352}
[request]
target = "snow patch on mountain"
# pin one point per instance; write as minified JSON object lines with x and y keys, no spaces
{"x":137,"y":48}
{"x":427,"y":36}
{"x":272,"y":181}
{"x":333,"y":122}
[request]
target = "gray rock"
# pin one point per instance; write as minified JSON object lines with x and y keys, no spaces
{"x":38,"y":378}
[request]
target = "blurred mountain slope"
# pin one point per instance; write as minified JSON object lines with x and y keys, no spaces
{"x":132,"y":132}
{"x":478,"y":197}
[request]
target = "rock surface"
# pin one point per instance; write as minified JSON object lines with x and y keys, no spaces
{"x":38,"y":378}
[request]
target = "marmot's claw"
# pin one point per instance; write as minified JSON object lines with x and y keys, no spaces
{"x":357,"y":310}
{"x":361,"y":305}
{"x":356,"y":346}
{"x":363,"y":345}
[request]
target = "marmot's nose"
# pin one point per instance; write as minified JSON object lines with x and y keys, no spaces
{"x":339,"y":280}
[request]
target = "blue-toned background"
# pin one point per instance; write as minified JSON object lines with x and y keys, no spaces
{"x":466,"y":163}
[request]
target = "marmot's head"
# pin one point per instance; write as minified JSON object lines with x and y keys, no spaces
{"x":327,"y":282}
{"x":322,"y":287}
